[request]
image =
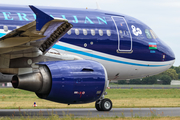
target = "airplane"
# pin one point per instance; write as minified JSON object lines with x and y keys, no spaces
{"x":69,"y":55}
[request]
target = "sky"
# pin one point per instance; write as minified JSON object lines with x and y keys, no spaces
{"x":163,"y":16}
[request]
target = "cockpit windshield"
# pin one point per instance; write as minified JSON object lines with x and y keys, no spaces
{"x":153,"y":34}
{"x":150,"y":34}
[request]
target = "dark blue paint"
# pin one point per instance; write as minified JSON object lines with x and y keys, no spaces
{"x":95,"y":19}
{"x":41,"y":18}
{"x":68,"y":77}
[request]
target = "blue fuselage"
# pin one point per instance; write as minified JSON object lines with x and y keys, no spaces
{"x":129,"y":38}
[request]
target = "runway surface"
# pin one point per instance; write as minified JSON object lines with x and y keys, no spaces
{"x":91,"y":112}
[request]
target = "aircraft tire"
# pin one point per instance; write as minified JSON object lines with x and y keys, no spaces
{"x":106,"y":104}
{"x":98,"y":105}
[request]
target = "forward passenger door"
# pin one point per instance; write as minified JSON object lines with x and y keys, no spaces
{"x":123,"y":35}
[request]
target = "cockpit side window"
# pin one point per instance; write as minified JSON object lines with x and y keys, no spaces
{"x":148,"y":35}
{"x":153,"y":34}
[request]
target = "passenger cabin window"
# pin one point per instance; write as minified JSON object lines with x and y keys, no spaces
{"x":5,"y":28}
{"x":69,"y":32}
{"x":76,"y":31}
{"x":100,"y":32}
{"x":108,"y":33}
{"x":84,"y":31}
{"x":148,"y":35}
{"x":93,"y":32}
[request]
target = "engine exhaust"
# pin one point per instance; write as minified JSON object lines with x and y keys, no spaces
{"x":39,"y":82}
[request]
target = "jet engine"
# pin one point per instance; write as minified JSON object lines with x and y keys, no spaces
{"x":70,"y":82}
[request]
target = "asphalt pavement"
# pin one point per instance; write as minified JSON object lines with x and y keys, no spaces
{"x":92,"y":112}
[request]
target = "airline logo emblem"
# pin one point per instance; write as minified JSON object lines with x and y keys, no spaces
{"x":136,"y":31}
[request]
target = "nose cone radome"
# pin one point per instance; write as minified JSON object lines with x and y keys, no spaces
{"x":170,"y":54}
{"x":167,"y":51}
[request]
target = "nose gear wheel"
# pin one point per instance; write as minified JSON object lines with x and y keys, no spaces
{"x":103,"y":105}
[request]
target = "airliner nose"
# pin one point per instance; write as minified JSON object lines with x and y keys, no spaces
{"x":168,"y":54}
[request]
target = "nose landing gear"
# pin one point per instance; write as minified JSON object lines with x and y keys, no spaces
{"x":103,"y":105}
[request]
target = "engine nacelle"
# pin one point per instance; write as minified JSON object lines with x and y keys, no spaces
{"x":71,"y":82}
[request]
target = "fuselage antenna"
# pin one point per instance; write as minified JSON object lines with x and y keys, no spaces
{"x":97,"y":6}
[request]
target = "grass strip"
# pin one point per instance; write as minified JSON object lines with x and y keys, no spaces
{"x":11,"y":98}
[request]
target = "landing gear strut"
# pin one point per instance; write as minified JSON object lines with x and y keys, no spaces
{"x":103,"y":105}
